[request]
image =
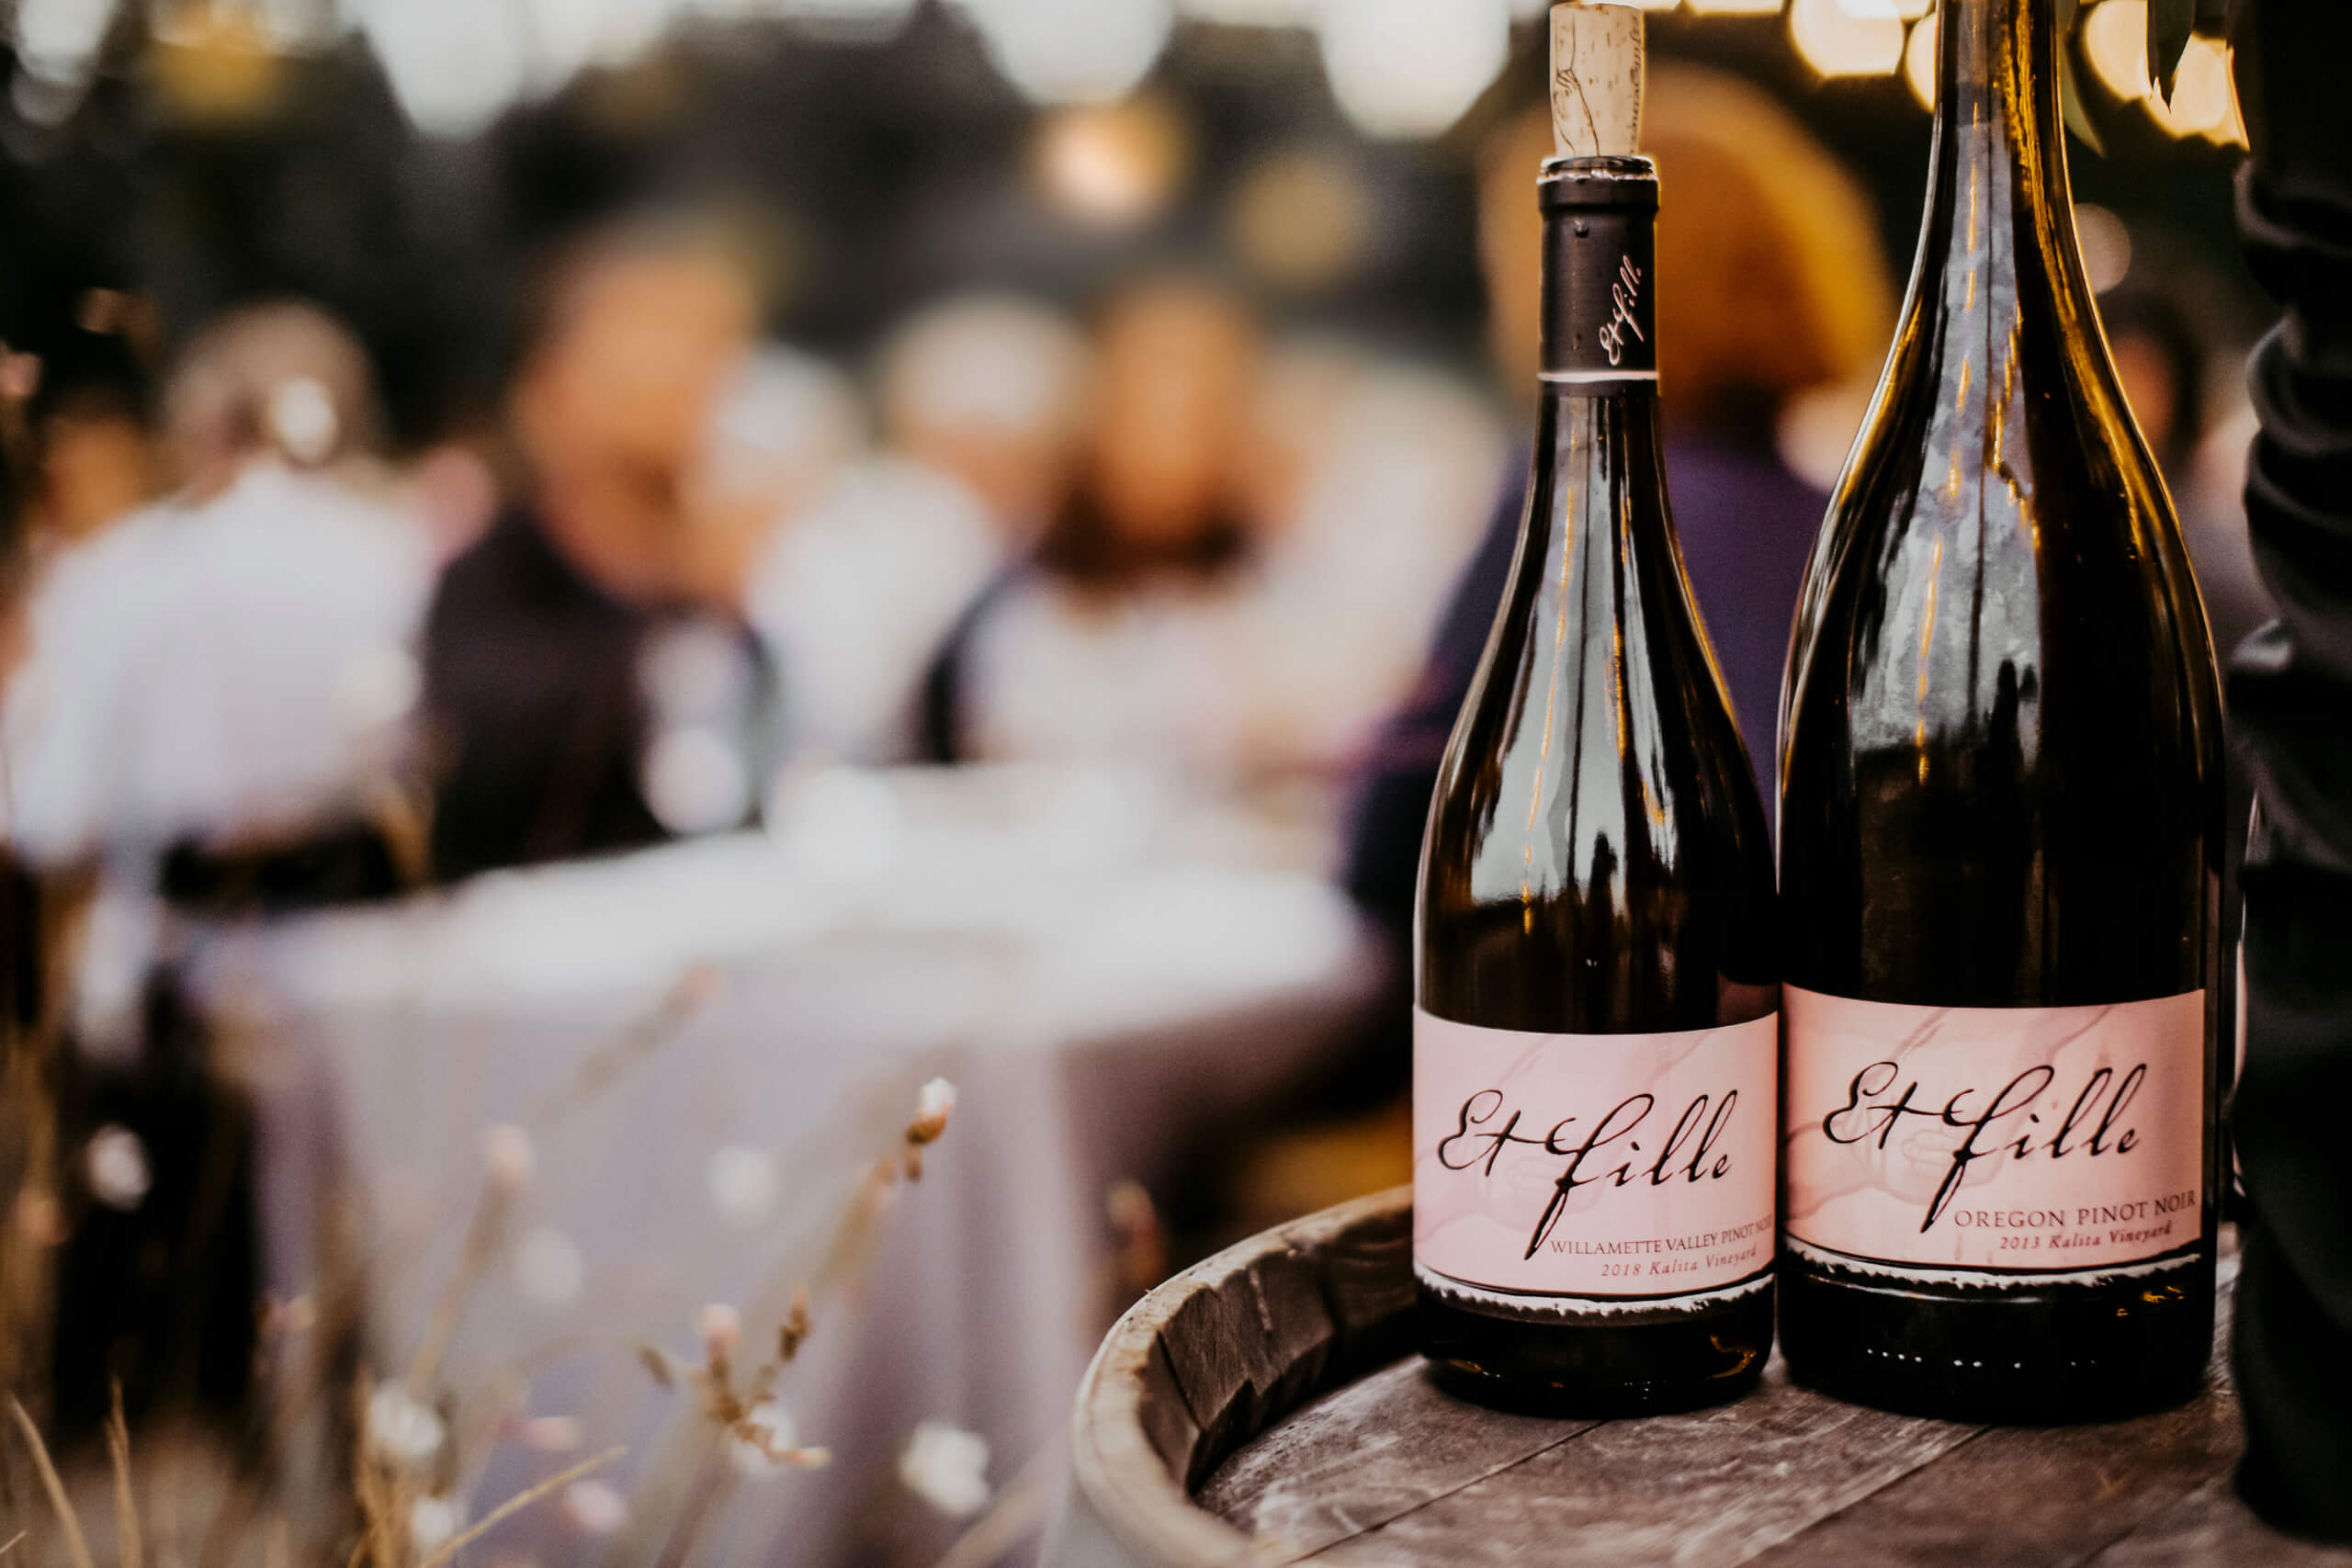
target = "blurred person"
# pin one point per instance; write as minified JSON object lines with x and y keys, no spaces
{"x":590,"y":683}
{"x":875,"y":557}
{"x":1370,"y":482}
{"x":91,"y":438}
{"x":1770,"y":283}
{"x":210,"y":723}
{"x":991,"y":389}
{"x":1119,"y":640}
{"x":230,"y":667}
{"x":2291,"y":707}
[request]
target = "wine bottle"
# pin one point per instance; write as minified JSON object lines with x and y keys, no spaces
{"x":1596,"y":1037}
{"x":2001,"y":798}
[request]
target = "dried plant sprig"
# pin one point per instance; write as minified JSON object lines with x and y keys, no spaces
{"x":508,"y":1158}
{"x":516,"y":1503}
{"x":128,"y":1553}
{"x":933,"y":1105}
{"x":13,"y":1543}
{"x":1018,"y":1509}
{"x":76,"y":1547}
{"x":659,"y":1364}
{"x":695,"y":991}
{"x":369,"y":1485}
{"x":794,"y":1332}
{"x":730,"y":1409}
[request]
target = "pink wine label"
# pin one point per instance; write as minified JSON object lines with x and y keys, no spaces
{"x":2038,"y":1140}
{"x":1568,"y":1172}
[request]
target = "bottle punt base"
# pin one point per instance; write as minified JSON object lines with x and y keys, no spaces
{"x":1624,"y":1364}
{"x":2030,"y":1355}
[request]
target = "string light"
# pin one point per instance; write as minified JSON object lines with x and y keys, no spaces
{"x":2231,"y":132}
{"x":850,"y":21}
{"x":2201,"y":93}
{"x":2105,"y":246}
{"x":2115,"y":39}
{"x":1837,"y":41}
{"x":1250,"y":13}
{"x":1405,"y":68}
{"x":453,"y":64}
{"x":1113,"y":165}
{"x":1920,"y":62}
{"x":1073,"y":51}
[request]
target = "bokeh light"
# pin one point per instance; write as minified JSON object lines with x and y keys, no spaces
{"x":1837,"y":40}
{"x":1252,"y":13}
{"x":848,"y":21}
{"x":1072,"y":51}
{"x":2115,"y":39}
{"x":2107,"y":245}
{"x":1404,"y":68}
{"x":1113,"y":165}
{"x":2201,"y":93}
{"x":1920,"y":62}
{"x":453,"y":64}
{"x":1300,"y":219}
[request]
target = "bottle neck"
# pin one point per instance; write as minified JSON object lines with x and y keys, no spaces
{"x":1599,"y":296}
{"x":1998,"y":205}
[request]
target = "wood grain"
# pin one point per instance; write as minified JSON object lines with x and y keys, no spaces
{"x":2027,"y":1495}
{"x":1714,"y":1486}
{"x":2210,"y":1526}
{"x":1367,"y":1453}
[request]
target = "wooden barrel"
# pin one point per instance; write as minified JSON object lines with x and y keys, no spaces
{"x":1264,"y":1407}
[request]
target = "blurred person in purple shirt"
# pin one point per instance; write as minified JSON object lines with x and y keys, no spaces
{"x":1773,"y":301}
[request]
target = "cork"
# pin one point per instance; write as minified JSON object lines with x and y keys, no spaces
{"x":1597,"y":76}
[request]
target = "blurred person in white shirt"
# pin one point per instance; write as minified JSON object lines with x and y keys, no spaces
{"x":210,"y":723}
{"x":873,"y":558}
{"x":1373,"y":481}
{"x":1123,"y":640}
{"x":991,"y":388}
{"x":233,"y":667}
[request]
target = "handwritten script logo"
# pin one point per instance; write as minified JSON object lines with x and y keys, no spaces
{"x":1869,"y":1113}
{"x":1626,"y":293}
{"x":1683,"y":1155}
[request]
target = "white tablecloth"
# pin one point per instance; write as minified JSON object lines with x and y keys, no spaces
{"x":1102,"y":993}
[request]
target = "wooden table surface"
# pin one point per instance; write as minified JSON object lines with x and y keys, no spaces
{"x":1381,"y":1468}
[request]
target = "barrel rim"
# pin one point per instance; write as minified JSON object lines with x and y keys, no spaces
{"x":1134,"y":1487}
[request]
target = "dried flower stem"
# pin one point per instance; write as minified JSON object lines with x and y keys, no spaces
{"x":710,"y":1484}
{"x":1018,"y":1509}
{"x":515,"y":1504}
{"x":76,"y":1547}
{"x":481,"y":1250}
{"x":126,"y":1508}
{"x":636,"y":1039}
{"x":13,"y":1543}
{"x":376,"y":1536}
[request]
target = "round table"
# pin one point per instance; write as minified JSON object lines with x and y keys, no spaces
{"x":1266,"y":1407}
{"x":1106,"y":992}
